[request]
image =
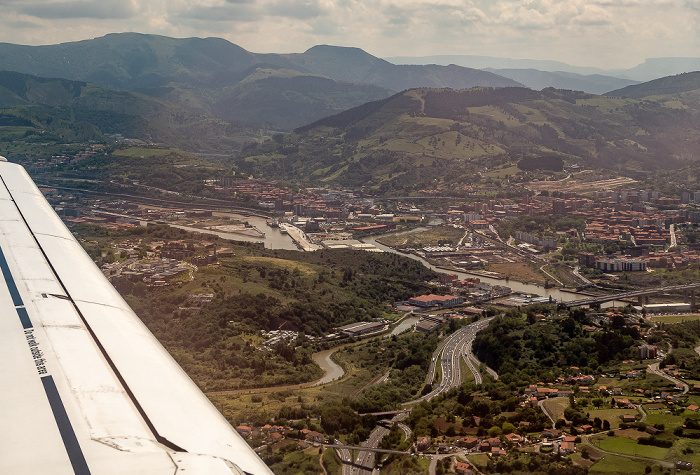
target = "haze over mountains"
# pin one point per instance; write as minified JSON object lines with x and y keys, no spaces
{"x":538,"y":74}
{"x":216,"y":78}
{"x":212,"y":95}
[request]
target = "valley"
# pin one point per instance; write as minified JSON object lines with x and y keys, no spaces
{"x":345,"y":252}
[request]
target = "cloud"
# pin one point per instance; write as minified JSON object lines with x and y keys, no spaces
{"x":299,"y":9}
{"x":80,"y":9}
{"x":594,"y":15}
{"x":576,"y":31}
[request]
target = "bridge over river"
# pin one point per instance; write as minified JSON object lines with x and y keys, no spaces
{"x":687,"y":289}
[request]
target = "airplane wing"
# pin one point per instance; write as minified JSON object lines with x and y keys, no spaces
{"x":85,"y":388}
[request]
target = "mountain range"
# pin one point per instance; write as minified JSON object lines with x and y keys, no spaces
{"x":212,"y":95}
{"x":215,"y":77}
{"x":438,"y":137}
{"x":651,"y":68}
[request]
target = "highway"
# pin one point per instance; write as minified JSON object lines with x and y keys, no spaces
{"x":345,"y":457}
{"x":364,"y":462}
{"x":451,"y":350}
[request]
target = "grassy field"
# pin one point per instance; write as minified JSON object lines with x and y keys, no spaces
{"x":686,"y":449}
{"x":306,"y":462}
{"x":627,"y":446}
{"x":668,"y":420}
{"x":479,"y":460}
{"x":430,"y":237}
{"x":283,"y":264}
{"x":675,"y":318}
{"x":616,"y":464}
{"x":556,"y":406}
{"x":612,"y":415}
{"x":519,"y":271}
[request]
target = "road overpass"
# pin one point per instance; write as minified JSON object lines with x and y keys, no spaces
{"x":366,"y":449}
{"x":687,"y":289}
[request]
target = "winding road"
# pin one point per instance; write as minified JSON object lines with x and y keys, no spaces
{"x":654,"y":368}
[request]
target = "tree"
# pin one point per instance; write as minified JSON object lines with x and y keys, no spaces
{"x":606,"y":424}
{"x":508,"y":428}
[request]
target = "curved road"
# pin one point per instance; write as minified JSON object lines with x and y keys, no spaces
{"x":654,"y":368}
{"x":453,"y":349}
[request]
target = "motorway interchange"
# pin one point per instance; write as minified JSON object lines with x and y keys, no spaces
{"x":451,"y":351}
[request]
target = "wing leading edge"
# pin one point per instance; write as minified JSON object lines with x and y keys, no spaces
{"x":86,"y":387}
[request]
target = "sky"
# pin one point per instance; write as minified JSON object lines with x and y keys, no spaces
{"x":607,"y":34}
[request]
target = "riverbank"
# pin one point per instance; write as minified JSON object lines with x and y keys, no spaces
{"x":520,"y":287}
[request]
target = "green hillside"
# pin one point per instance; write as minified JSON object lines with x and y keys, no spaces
{"x":74,"y":110}
{"x":447,"y":138}
{"x":678,"y":84}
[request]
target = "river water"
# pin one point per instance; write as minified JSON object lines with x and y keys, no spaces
{"x":516,"y":286}
{"x":333,"y":370}
{"x":274,"y":239}
{"x":405,"y":324}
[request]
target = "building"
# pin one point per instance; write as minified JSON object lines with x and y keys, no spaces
{"x":545,"y":242}
{"x":422,"y":443}
{"x":621,"y":265}
{"x":429,"y":323}
{"x":361,"y":328}
{"x":468,"y":442}
{"x":647,"y":352}
{"x":432,"y":300}
{"x":463,"y":468}
{"x":313,"y":436}
{"x":586,"y":259}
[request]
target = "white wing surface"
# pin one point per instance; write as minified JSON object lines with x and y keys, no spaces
{"x":84,"y":386}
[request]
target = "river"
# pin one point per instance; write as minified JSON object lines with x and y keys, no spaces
{"x":273,"y":238}
{"x":333,"y":370}
{"x":516,"y":286}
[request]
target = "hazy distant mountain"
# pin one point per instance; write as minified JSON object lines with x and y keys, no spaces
{"x":355,"y":65}
{"x":212,"y":76}
{"x":486,"y":62}
{"x":652,"y":68}
{"x":592,"y":83}
{"x":672,"y":85}
{"x":655,"y":68}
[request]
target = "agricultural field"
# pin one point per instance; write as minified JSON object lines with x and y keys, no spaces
{"x":556,"y":406}
{"x":674,"y":318}
{"x":614,"y":464}
{"x":623,"y":445}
